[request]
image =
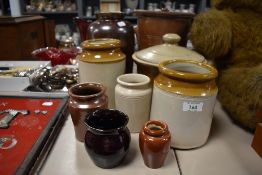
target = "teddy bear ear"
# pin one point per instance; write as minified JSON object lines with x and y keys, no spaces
{"x":211,"y":34}
{"x":218,"y":4}
{"x":214,"y":2}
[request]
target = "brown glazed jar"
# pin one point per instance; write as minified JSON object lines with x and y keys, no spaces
{"x":154,"y":143}
{"x":84,"y":99}
{"x":113,"y":25}
{"x":107,"y":138}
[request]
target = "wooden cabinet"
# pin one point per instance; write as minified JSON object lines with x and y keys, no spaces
{"x":19,"y":36}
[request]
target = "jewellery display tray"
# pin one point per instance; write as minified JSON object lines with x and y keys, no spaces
{"x":11,"y":83}
{"x":34,"y":133}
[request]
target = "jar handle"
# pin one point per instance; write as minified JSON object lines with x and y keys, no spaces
{"x":171,"y":38}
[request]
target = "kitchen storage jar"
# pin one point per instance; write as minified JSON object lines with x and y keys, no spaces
{"x":154,"y":143}
{"x":148,"y":59}
{"x":84,"y":99}
{"x":102,"y":61}
{"x":113,"y":25}
{"x":184,"y":96}
{"x":152,"y":25}
{"x":133,"y":97}
{"x":107,"y":139}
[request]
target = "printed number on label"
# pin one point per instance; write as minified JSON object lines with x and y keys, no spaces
{"x":192,"y":106}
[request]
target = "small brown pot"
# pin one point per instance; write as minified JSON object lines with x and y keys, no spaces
{"x":107,"y":138}
{"x":84,"y":99}
{"x":154,"y":143}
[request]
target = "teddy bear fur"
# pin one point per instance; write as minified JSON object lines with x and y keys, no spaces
{"x":230,"y":34}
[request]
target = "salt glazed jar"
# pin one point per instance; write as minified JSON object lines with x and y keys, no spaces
{"x":113,"y":25}
{"x":184,"y":96}
{"x":154,"y":143}
{"x":102,"y":61}
{"x":84,"y":99}
{"x":133,"y":97}
{"x":107,"y":139}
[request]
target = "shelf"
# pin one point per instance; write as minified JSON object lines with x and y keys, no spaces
{"x":132,"y":19}
{"x":51,"y":13}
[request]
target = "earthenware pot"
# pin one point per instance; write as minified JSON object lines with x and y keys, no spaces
{"x":148,"y":59}
{"x":184,"y":96}
{"x":152,"y":25}
{"x":133,"y":97}
{"x":107,"y":139}
{"x":154,"y":143}
{"x":102,"y":61}
{"x":84,"y":99}
{"x":113,"y":25}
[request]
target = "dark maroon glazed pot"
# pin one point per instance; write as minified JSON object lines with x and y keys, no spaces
{"x":113,"y":25}
{"x":84,"y":99}
{"x":107,"y":139}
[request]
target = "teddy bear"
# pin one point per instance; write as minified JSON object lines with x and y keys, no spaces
{"x":229,"y":34}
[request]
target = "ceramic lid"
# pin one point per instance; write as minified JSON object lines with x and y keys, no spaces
{"x":169,"y":50}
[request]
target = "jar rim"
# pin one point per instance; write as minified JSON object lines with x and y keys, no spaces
{"x":101,"y":44}
{"x":133,"y":80}
{"x":101,"y":117}
{"x":155,"y":128}
{"x":193,"y":70}
{"x":96,"y":87}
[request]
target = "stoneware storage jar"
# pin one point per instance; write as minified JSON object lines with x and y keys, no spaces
{"x":107,"y":139}
{"x":84,"y":99}
{"x":154,"y":143}
{"x":184,"y":96}
{"x":113,"y":25}
{"x":148,"y":59}
{"x":102,"y":61}
{"x":133,"y":97}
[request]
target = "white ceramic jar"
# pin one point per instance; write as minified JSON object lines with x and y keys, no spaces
{"x":133,"y":97}
{"x":184,"y":96}
{"x":102,"y":61}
